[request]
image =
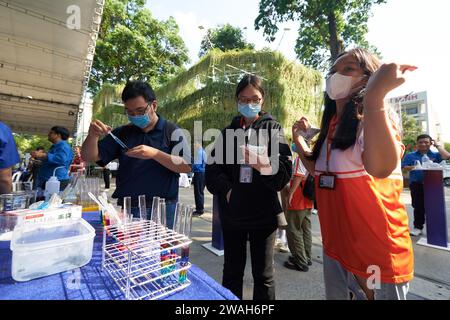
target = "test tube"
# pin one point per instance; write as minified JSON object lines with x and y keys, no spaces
{"x":178,"y":223}
{"x":163,"y":212}
{"x":165,"y":245}
{"x":185,"y":250}
{"x":127,"y":209}
{"x":155,"y":210}
{"x":188,"y":221}
{"x":177,"y":220}
{"x":142,"y":207}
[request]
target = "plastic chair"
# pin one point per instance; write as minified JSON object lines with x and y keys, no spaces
{"x":16,"y":176}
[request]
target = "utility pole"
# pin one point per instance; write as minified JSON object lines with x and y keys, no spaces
{"x":282,"y":37}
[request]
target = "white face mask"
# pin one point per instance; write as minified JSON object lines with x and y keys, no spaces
{"x":339,"y":86}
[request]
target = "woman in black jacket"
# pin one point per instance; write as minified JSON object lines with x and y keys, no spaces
{"x":248,"y":165}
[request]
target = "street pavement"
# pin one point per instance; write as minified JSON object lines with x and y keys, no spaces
{"x":432,"y":266}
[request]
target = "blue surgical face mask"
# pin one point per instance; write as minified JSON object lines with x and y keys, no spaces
{"x":249,"y":111}
{"x":140,"y":121}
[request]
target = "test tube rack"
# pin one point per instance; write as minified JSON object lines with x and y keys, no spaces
{"x":144,"y":259}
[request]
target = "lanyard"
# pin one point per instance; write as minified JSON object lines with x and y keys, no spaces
{"x":249,"y":128}
{"x":331,"y":131}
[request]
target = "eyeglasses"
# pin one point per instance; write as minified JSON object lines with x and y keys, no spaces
{"x":139,"y":112}
{"x":253,"y":101}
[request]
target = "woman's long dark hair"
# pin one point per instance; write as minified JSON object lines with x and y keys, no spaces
{"x":347,"y":127}
{"x":250,"y":80}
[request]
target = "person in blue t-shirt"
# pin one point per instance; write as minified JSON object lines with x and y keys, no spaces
{"x":424,"y":142}
{"x":152,"y":151}
{"x":9,"y":157}
{"x":59,"y":155}
{"x":198,"y":168}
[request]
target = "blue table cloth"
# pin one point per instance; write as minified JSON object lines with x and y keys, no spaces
{"x":93,"y":283}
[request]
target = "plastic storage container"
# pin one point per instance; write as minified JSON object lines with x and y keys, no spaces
{"x":10,"y":219}
{"x":40,"y":250}
{"x":17,"y":200}
{"x":7,"y":224}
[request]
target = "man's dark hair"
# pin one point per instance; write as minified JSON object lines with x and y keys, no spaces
{"x":63,"y":132}
{"x":424,"y":136}
{"x":40,"y":148}
{"x":134,"y":89}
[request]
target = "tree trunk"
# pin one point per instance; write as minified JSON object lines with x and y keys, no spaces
{"x":335,"y":44}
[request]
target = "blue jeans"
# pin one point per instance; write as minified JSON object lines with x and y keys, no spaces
{"x":170,"y":213}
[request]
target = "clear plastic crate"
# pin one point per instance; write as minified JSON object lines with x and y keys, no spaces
{"x":10,"y":219}
{"x":40,"y":250}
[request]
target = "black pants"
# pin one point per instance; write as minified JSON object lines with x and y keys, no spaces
{"x":418,"y":203}
{"x":261,"y":251}
{"x":106,"y":176}
{"x":199,"y":187}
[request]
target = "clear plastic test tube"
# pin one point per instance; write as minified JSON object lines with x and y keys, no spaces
{"x":142,"y":208}
{"x":127,"y":209}
{"x":155,"y":210}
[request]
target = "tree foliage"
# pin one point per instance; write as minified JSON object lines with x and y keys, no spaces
{"x":225,"y":38}
{"x":447,"y":146}
{"x":27,"y":143}
{"x":410,"y":131}
{"x":134,"y":45}
{"x":326,"y":27}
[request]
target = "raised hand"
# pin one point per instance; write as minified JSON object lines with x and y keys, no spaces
{"x":98,"y":128}
{"x":387,"y":78}
{"x":300,"y":128}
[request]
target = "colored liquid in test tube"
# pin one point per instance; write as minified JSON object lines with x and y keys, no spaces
{"x":185,"y":250}
{"x":180,"y":213}
{"x":183,"y":263}
{"x":165,"y":254}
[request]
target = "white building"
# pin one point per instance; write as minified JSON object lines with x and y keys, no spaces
{"x":84,"y":121}
{"x":416,"y":105}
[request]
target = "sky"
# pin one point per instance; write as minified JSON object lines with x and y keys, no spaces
{"x":404,"y":31}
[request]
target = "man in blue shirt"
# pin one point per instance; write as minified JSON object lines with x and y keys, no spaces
{"x":59,"y":155}
{"x":8,"y":158}
{"x":151,"y":155}
{"x":198,"y":168}
{"x":424,"y":142}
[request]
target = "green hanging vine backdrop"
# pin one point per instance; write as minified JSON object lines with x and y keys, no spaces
{"x":206,"y":91}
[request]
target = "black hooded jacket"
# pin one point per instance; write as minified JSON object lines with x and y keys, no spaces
{"x":252,"y":205}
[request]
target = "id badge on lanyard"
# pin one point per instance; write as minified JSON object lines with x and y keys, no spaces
{"x":246,"y":171}
{"x":327,"y":180}
{"x":245,"y":174}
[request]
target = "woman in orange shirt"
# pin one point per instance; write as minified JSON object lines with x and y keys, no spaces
{"x":356,"y":160}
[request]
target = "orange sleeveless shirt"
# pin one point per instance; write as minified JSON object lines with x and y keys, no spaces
{"x":363,"y":221}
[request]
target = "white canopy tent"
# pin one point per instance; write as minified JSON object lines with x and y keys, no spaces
{"x":46,"y":53}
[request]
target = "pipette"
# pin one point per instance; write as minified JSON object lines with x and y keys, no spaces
{"x":120,"y":142}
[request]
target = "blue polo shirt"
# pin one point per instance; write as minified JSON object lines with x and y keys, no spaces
{"x":199,"y":164}
{"x":137,"y":177}
{"x":411,"y":158}
{"x":8,"y":150}
{"x":59,"y":155}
